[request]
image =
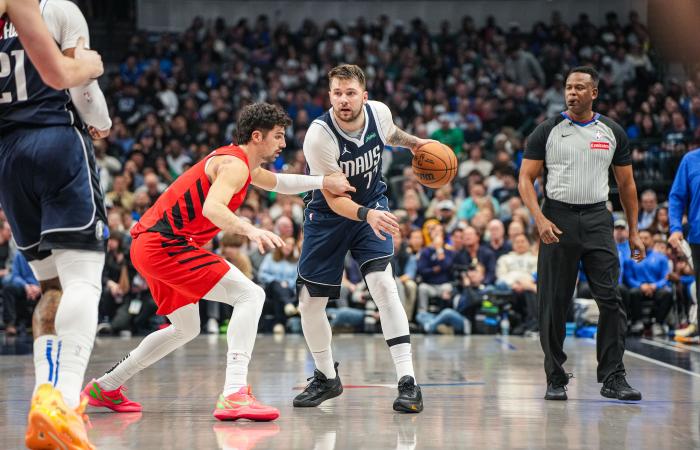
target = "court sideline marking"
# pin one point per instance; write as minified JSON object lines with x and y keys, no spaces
{"x":661,"y":363}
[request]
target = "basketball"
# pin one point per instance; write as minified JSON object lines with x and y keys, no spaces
{"x":434,"y":164}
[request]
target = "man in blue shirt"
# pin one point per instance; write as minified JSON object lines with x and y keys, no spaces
{"x":648,"y":279}
{"x":20,"y":286}
{"x":685,"y":198}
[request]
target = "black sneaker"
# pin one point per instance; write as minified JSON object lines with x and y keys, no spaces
{"x":410,"y":399}
{"x":319,"y":390}
{"x":556,"y":389}
{"x":616,"y":386}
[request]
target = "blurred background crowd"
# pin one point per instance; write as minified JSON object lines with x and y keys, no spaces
{"x":466,"y":259}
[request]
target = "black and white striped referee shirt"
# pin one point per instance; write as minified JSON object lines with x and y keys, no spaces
{"x":577,"y":156}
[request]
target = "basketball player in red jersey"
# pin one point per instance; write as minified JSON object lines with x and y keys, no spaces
{"x":166,"y":250}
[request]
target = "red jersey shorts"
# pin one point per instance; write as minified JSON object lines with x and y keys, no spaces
{"x":177,"y":271}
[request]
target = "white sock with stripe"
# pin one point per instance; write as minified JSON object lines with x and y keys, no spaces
{"x":45,"y":349}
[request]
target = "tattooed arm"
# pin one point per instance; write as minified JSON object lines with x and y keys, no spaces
{"x":400,"y":138}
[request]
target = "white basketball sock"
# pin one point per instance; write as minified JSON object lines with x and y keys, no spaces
{"x":45,"y":348}
{"x":80,"y":274}
{"x":247,"y":299}
{"x":317,"y":331}
{"x":382,"y":288}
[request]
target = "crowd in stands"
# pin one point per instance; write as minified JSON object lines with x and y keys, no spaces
{"x":467,"y":253}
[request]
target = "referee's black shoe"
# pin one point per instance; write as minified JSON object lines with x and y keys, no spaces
{"x":410,"y":399}
{"x":616,"y":386}
{"x":556,"y":389}
{"x":319,"y":390}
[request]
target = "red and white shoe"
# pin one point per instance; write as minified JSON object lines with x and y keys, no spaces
{"x":242,"y":405}
{"x":114,"y":400}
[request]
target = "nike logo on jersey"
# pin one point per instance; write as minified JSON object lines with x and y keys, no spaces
{"x":566,"y":135}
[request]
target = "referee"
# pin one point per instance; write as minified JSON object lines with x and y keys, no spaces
{"x":576,"y":149}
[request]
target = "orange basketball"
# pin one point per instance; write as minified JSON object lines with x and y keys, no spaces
{"x":434,"y":164}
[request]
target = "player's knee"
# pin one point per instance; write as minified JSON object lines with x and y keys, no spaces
{"x":186,"y":330}
{"x":256,"y":295}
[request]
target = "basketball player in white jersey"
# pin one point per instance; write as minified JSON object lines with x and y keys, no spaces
{"x":350,"y":138}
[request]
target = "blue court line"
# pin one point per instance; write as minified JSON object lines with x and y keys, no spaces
{"x":501,"y":341}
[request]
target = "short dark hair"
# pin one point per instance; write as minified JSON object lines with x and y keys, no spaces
{"x":348,"y":72}
{"x":262,"y":117}
{"x":585,"y":69}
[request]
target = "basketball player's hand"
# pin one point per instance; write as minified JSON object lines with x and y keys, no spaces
{"x":422,"y":142}
{"x":675,"y":239}
{"x":338,"y":185}
{"x":382,"y":221}
{"x":265,"y":239}
{"x":637,"y":250}
{"x":548,"y":231}
{"x":98,"y":134}
{"x":89,"y":58}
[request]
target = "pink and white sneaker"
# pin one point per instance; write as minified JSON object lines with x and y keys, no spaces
{"x":242,"y":405}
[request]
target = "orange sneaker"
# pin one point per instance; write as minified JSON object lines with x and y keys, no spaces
{"x":242,"y":405}
{"x":53,"y":425}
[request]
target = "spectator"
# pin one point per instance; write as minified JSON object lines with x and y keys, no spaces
{"x":477,"y":201}
{"x":516,"y":271}
{"x":120,"y":195}
{"x":647,"y":279}
{"x":435,"y":268}
{"x":115,"y":279}
{"x":278,"y":274}
{"x":475,"y":162}
{"x":20,"y":292}
{"x":449,"y":134}
{"x":497,"y":243}
{"x":648,"y":210}
{"x":152,"y":186}
{"x":474,"y":253}
{"x":660,"y":224}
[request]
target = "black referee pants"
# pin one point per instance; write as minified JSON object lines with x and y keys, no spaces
{"x":586,"y":236}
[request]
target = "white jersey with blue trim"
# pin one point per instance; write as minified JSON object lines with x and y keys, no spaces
{"x":328,"y":149}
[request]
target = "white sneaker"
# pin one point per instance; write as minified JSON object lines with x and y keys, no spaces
{"x":212,"y":326}
{"x":637,"y":327}
{"x":290,"y":310}
{"x":657,"y":330}
{"x":278,"y":329}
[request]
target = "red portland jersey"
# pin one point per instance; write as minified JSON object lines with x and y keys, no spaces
{"x":178,"y":211}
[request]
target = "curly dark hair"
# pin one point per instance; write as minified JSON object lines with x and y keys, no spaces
{"x":262,"y":117}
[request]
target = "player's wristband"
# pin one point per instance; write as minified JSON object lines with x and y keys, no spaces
{"x":362,"y":213}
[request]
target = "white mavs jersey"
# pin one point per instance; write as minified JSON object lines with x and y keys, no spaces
{"x":328,"y":149}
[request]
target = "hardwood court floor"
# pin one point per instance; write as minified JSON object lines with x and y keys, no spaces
{"x":482,"y":392}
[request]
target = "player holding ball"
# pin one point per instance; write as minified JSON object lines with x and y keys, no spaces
{"x":350,"y":138}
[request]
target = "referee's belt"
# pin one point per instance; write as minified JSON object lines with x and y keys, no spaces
{"x":574,"y":207}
